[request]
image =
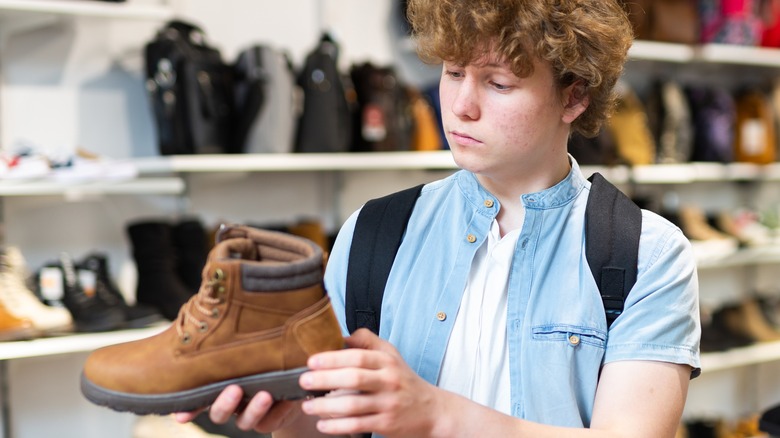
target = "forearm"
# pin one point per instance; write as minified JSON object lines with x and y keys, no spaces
{"x":465,"y":418}
{"x":635,"y":399}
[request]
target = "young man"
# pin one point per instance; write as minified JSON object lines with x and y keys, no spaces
{"x":492,"y":324}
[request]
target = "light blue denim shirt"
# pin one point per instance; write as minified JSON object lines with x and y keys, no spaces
{"x":556,"y":328}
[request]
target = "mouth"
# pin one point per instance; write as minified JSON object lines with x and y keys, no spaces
{"x":463,"y":139}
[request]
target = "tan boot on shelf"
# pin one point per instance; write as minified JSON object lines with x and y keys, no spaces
{"x":746,"y":319}
{"x":22,"y":302}
{"x":13,"y":328}
{"x":707,"y":241}
{"x":260,"y":313}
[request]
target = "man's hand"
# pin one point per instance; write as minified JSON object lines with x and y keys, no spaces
{"x":260,"y":414}
{"x":373,"y":389}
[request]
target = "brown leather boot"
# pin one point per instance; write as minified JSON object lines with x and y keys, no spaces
{"x":13,"y":328}
{"x":261,"y":311}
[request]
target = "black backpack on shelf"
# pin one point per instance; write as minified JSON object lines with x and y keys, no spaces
{"x":265,"y":100}
{"x":325,"y":124}
{"x":382,"y":120}
{"x":191,"y":92}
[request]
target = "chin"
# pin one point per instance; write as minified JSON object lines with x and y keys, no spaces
{"x":472,"y":164}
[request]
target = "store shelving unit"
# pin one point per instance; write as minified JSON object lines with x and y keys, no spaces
{"x":705,"y":54}
{"x":125,"y":11}
{"x":73,"y":343}
{"x":168,"y":175}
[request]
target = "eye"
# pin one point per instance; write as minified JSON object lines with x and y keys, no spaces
{"x":499,"y":87}
{"x":453,"y":74}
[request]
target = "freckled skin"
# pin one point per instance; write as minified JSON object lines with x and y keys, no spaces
{"x":492,"y":120}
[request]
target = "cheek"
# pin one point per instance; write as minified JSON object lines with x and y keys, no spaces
{"x":513,"y":126}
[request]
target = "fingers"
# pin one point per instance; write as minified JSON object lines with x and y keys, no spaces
{"x":367,"y":340}
{"x":339,"y":404}
{"x":226,"y":404}
{"x":186,"y":417}
{"x":367,"y":351}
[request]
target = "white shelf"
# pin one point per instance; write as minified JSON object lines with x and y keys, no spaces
{"x":440,"y":160}
{"x":300,"y":162}
{"x":657,"y":51}
{"x":325,"y":162}
{"x":75,"y":191}
{"x":73,"y":343}
{"x":703,"y":172}
{"x":150,"y":169}
{"x":90,"y":8}
{"x":744,"y":257}
{"x":739,"y":357}
{"x":706,"y":53}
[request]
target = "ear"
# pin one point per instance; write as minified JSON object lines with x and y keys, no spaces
{"x":575,"y":101}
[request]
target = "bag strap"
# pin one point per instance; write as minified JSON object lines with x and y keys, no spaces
{"x":378,"y":232}
{"x":613,"y":224}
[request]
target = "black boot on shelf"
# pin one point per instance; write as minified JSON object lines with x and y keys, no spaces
{"x":190,"y":239}
{"x":744,"y":318}
{"x":58,"y":285}
{"x":159,"y":283}
{"x":717,"y":336}
{"x":769,"y":421}
{"x":94,"y":270}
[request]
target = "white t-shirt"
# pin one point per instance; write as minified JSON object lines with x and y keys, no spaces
{"x":476,"y":363}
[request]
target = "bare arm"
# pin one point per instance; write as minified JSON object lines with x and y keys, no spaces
{"x":374,"y":390}
{"x":634,"y":399}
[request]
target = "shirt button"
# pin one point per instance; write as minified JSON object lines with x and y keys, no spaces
{"x":471,"y":238}
{"x":574,"y":340}
{"x":489,"y":203}
{"x":441,"y":316}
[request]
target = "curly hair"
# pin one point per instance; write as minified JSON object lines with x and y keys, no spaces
{"x":583,"y":40}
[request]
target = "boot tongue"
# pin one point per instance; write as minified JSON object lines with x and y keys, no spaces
{"x":236,"y":248}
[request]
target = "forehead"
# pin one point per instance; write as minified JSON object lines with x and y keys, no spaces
{"x":522,"y":68}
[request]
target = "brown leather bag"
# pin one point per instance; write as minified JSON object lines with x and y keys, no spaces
{"x":754,"y":136}
{"x":639,"y":15}
{"x":674,"y":21}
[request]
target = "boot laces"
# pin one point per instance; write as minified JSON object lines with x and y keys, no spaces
{"x":203,"y":303}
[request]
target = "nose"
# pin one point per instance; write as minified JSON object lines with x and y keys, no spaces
{"x":465,"y":102}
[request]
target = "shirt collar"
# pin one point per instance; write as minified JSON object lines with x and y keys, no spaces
{"x":560,"y":194}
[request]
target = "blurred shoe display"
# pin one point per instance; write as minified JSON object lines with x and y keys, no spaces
{"x":58,"y":285}
{"x":94,"y":274}
{"x":22,"y":302}
{"x":15,"y":329}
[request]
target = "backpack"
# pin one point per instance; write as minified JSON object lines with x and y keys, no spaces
{"x":670,"y":122}
{"x":325,"y":124}
{"x":754,"y":130}
{"x":613,"y":224}
{"x":382,"y":119}
{"x":265,"y":100}
{"x":713,"y":112}
{"x":190,"y":90}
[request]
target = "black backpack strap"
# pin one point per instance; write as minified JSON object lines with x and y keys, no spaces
{"x":613,"y":223}
{"x":378,"y":232}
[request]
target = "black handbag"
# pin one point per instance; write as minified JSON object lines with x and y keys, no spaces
{"x":326,"y":122}
{"x":190,"y":89}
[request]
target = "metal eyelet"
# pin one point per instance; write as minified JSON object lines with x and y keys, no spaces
{"x":203,"y":326}
{"x":219,"y":274}
{"x":186,"y":338}
{"x":215,"y":313}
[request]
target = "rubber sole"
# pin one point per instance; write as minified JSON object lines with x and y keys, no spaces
{"x":283,"y":385}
